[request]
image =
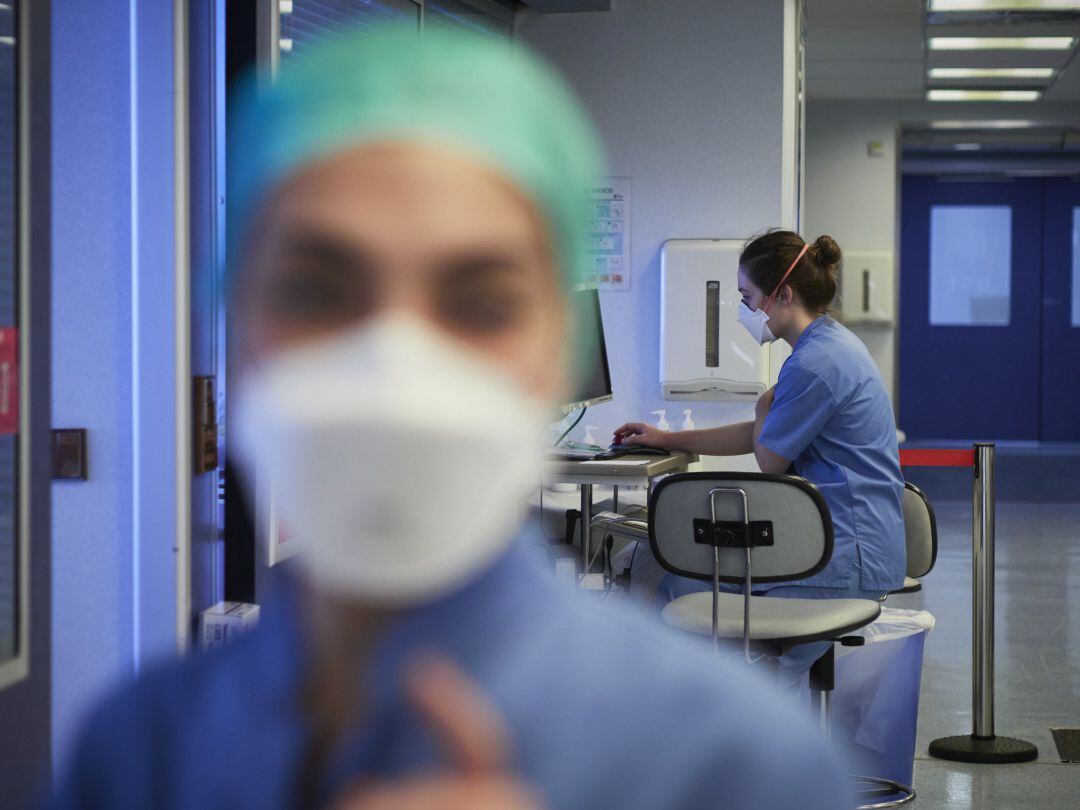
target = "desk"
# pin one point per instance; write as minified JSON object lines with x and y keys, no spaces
{"x":630,"y":470}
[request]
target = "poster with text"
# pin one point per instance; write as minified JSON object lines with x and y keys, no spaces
{"x":609,"y":234}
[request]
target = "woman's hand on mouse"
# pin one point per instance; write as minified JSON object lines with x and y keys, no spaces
{"x":641,"y":433}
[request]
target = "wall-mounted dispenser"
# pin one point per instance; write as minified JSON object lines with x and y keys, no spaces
{"x":704,"y":353}
{"x":868,"y":288}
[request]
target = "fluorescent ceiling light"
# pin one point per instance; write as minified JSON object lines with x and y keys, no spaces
{"x":1001,"y":43}
{"x":1004,"y":5}
{"x":1002,"y":123}
{"x":991,"y":73}
{"x":967,"y":147}
{"x":982,"y":95}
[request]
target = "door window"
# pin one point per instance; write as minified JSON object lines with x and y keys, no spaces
{"x":970,"y":265}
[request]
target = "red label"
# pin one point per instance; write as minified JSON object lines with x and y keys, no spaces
{"x":9,"y":381}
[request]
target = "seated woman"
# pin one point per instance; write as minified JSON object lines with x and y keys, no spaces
{"x":829,"y":419}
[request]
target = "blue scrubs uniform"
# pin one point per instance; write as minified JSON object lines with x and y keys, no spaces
{"x":832,"y":417}
{"x":606,"y":709}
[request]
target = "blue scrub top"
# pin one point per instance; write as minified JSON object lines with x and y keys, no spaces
{"x":606,"y":709}
{"x":833,"y":419}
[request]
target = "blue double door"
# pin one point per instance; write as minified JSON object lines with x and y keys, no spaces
{"x":989,"y":336}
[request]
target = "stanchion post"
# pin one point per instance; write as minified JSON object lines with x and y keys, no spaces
{"x":982,"y":745}
{"x":982,"y":594}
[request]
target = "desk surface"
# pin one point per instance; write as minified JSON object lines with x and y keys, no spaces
{"x":628,"y":466}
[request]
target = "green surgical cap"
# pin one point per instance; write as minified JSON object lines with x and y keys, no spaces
{"x":487,"y":99}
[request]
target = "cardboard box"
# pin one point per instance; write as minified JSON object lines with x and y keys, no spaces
{"x":225,"y":621}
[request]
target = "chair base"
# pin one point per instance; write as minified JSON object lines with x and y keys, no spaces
{"x":880,"y":787}
{"x":989,"y":750}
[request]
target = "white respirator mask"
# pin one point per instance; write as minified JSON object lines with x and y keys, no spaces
{"x":400,"y":461}
{"x":756,"y":322}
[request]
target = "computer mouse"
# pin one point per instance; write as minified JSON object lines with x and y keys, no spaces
{"x":616,"y":451}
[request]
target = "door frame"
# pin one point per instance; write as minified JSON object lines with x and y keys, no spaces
{"x":25,"y":682}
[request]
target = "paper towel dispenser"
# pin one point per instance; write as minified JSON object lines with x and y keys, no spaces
{"x":704,"y":353}
{"x":867,"y":288}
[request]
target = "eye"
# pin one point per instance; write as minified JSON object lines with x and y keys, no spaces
{"x":316,"y":295}
{"x":485,"y":311}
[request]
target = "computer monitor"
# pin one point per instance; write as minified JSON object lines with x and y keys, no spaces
{"x":594,"y":386}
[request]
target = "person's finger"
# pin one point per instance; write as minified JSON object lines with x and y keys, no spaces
{"x":443,"y":793}
{"x":631,"y":429}
{"x":470,"y":730}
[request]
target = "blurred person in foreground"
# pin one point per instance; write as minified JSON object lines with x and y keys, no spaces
{"x":406,"y":220}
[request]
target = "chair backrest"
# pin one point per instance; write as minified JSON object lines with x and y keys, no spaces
{"x":920,"y":531}
{"x":801,"y":525}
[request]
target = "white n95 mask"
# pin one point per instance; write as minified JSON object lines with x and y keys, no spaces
{"x":756,"y":322}
{"x":400,"y":461}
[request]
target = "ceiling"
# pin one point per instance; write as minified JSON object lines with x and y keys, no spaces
{"x":876,"y":49}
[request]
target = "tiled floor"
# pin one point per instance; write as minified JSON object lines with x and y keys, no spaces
{"x":1037,"y":639}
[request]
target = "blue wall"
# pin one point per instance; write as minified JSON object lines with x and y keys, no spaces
{"x":91,"y":352}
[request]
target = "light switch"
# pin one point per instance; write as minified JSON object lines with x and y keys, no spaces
{"x":69,"y":454}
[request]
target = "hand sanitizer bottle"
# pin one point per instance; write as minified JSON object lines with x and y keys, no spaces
{"x":589,"y":437}
{"x":688,"y":423}
{"x":662,"y":422}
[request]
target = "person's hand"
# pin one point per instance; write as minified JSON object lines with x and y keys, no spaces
{"x":764,"y":403}
{"x":641,"y":433}
{"x":473,"y":737}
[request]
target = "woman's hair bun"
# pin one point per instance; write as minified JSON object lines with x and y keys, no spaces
{"x":827,"y":253}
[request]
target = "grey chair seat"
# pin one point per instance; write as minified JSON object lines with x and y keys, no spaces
{"x":772,"y":619}
{"x":911,"y":585}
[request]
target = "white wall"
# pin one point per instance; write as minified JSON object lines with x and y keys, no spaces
{"x":688,"y":97}
{"x":853,"y":197}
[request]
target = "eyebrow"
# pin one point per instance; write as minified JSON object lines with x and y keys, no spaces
{"x":314,"y":245}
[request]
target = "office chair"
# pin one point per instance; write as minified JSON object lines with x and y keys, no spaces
{"x":920,"y":532}
{"x":747,"y":529}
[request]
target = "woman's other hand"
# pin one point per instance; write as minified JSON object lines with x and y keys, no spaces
{"x":641,"y":433}
{"x":764,"y":403}
{"x":475,"y":743}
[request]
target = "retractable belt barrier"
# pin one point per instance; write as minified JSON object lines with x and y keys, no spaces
{"x":982,"y":745}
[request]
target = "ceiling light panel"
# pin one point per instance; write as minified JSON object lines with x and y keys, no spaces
{"x":991,"y":73}
{"x":1001,"y":123}
{"x":1004,"y":5}
{"x":1001,"y":43}
{"x":939,"y":94}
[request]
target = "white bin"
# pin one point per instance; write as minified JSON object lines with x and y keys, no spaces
{"x":875,"y":704}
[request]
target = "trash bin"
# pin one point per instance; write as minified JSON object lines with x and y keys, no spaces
{"x":876,"y":700}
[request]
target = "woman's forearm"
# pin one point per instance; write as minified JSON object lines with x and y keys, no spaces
{"x":729,"y":440}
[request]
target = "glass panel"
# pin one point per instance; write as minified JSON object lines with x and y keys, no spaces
{"x":9,"y":561}
{"x":1076,"y":268}
{"x":970,"y":265}
{"x":311,"y":22}
{"x":459,"y":14}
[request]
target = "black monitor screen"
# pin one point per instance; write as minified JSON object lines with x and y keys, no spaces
{"x":595,"y":384}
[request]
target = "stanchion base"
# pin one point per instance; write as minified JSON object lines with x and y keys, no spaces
{"x":990,"y":750}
